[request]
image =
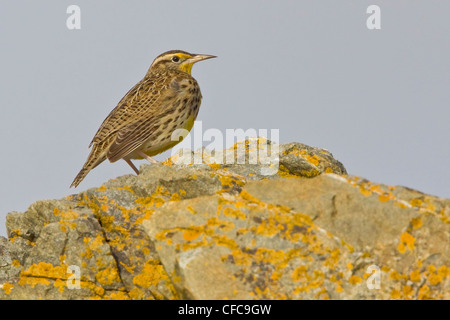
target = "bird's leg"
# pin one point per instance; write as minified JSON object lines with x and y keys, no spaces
{"x":132,"y":166}
{"x":149,"y":159}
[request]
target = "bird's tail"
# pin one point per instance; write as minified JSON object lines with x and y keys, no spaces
{"x":96,"y":156}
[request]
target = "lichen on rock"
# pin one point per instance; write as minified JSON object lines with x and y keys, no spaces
{"x":231,"y":231}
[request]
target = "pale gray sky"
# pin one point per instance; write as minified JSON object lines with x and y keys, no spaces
{"x":377,"y":99}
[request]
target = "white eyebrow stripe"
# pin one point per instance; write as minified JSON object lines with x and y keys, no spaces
{"x":159,"y":59}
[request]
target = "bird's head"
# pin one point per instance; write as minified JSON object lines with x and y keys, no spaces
{"x":177,"y":60}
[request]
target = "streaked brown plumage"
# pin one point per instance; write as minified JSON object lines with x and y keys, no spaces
{"x":141,"y":125}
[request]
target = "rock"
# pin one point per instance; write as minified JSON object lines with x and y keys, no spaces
{"x":302,"y":160}
{"x":5,"y":260}
{"x":294,"y":227}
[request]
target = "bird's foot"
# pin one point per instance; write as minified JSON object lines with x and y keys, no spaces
{"x":132,"y":166}
{"x":148,"y":158}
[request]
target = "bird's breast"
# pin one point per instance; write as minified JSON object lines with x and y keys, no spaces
{"x":179,"y":111}
{"x":184,"y":85}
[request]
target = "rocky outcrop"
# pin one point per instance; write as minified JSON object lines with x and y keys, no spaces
{"x":210,"y":231}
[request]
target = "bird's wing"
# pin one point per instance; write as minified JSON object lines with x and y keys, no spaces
{"x":138,"y":101}
{"x":131,"y":137}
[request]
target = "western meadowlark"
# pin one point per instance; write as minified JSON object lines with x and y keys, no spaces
{"x":141,"y":125}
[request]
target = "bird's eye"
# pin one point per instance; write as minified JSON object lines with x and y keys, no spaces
{"x":175,"y":59}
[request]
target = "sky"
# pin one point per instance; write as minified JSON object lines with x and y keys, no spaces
{"x":377,"y":99}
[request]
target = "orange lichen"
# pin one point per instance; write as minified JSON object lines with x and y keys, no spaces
{"x":406,"y":241}
{"x":310,"y":173}
{"x":157,"y":199}
{"x":386,"y":196}
{"x":136,"y":294}
{"x":60,"y":284}
{"x":227,"y":180}
{"x":431,"y":268}
{"x":300,"y":273}
{"x":244,"y":195}
{"x":119,"y":295}
{"x":401,"y":247}
{"x":95,"y":289}
{"x":394,"y":275}
{"x":416,"y":202}
{"x":175,"y":197}
{"x":434,"y":279}
{"x":328,"y":170}
{"x":96,"y":243}
{"x":415,"y":276}
{"x":276,"y":275}
{"x":313,"y":159}
{"x":108,"y":276}
{"x":365,"y":191}
{"x":190,"y":209}
{"x":424,"y":293}
{"x":214,"y":166}
{"x":407,"y":291}
{"x":416,"y":223}
{"x":235,"y":213}
{"x":222,"y":240}
{"x":7,"y":287}
{"x":332,"y":259}
{"x":444,"y":271}
{"x":15,"y":233}
{"x":285,"y":173}
{"x":152,"y":273}
{"x":385,"y":268}
{"x":43,"y":269}
{"x":355,"y":280}
{"x":268,"y":227}
{"x":401,"y":204}
{"x":191,"y":234}
{"x":41,"y":273}
{"x":395,"y":294}
{"x":127,"y":188}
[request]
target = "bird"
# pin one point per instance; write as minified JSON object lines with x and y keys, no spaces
{"x":141,"y":125}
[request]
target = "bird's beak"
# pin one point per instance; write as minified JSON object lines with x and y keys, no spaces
{"x":186,"y":66}
{"x":199,"y":57}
